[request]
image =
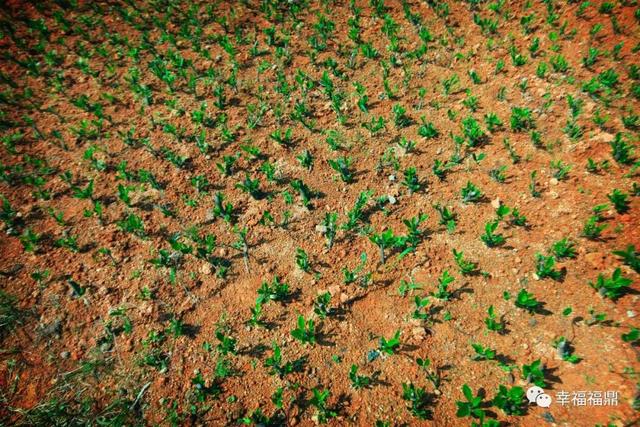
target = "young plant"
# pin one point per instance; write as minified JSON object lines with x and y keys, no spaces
{"x":632,"y":337}
{"x":321,"y":305}
{"x":250,"y":186}
{"x":466,"y":267}
{"x":358,"y":381}
{"x":521,"y":119}
{"x":482,"y":353}
{"x":620,"y":201}
{"x":356,"y":214}
{"x":447,"y":217}
{"x":277,"y":366}
{"x":303,"y":190}
{"x":527,"y":301}
{"x":592,"y":230}
{"x":564,"y":248}
{"x":221,"y":209}
{"x":565,"y":350}
{"x":282,"y":137}
{"x":274,"y":291}
{"x":427,"y":129}
{"x":418,"y":400}
{"x":320,"y":402}
{"x":432,"y":374}
{"x":545,"y":267}
{"x":534,"y":373}
{"x":133,"y":224}
{"x":227,"y":344}
{"x":621,"y":150}
{"x":471,"y":193}
{"x":302,"y":260}
{"x":613,"y":287}
{"x":242,"y":245}
{"x":351,"y":276}
{"x":305,"y":332}
{"x":489,"y":237}
{"x":491,"y":323}
{"x":341,"y":165}
{"x":411,"y":180}
{"x":472,"y":407}
{"x":385,"y":240}
{"x":30,"y":240}
{"x":444,"y":281}
{"x":329,"y":230}
{"x":510,"y":400}
{"x":389,"y":347}
{"x":473,"y":132}
{"x":408,"y":286}
{"x":630,"y":257}
{"x":400,"y":118}
{"x":306,"y":159}
{"x":559,"y":169}
{"x":533,"y":186}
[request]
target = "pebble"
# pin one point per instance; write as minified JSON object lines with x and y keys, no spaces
{"x":419,"y":332}
{"x":553,"y":181}
{"x":495,"y":203}
{"x":631,"y":314}
{"x":205,"y":268}
{"x":392,"y":178}
{"x":321,"y":228}
{"x":392,"y":200}
{"x":65,"y":355}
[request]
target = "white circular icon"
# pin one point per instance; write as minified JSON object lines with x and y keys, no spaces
{"x":543,"y":400}
{"x":533,"y":392}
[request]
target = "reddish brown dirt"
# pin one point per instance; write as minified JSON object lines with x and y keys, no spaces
{"x":40,"y":362}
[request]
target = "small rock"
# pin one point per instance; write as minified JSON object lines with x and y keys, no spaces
{"x":392,"y":200}
{"x":631,"y":314}
{"x":65,"y":355}
{"x":53,"y":328}
{"x":205,"y":269}
{"x":418,"y":332}
{"x":105,"y":347}
{"x":496,"y":203}
{"x":553,"y":181}
{"x":392,"y":178}
{"x":334,"y":289}
{"x":604,"y":137}
{"x":596,"y":259}
{"x":321,"y":228}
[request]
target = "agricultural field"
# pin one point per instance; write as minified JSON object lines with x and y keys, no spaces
{"x":365,"y":212}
